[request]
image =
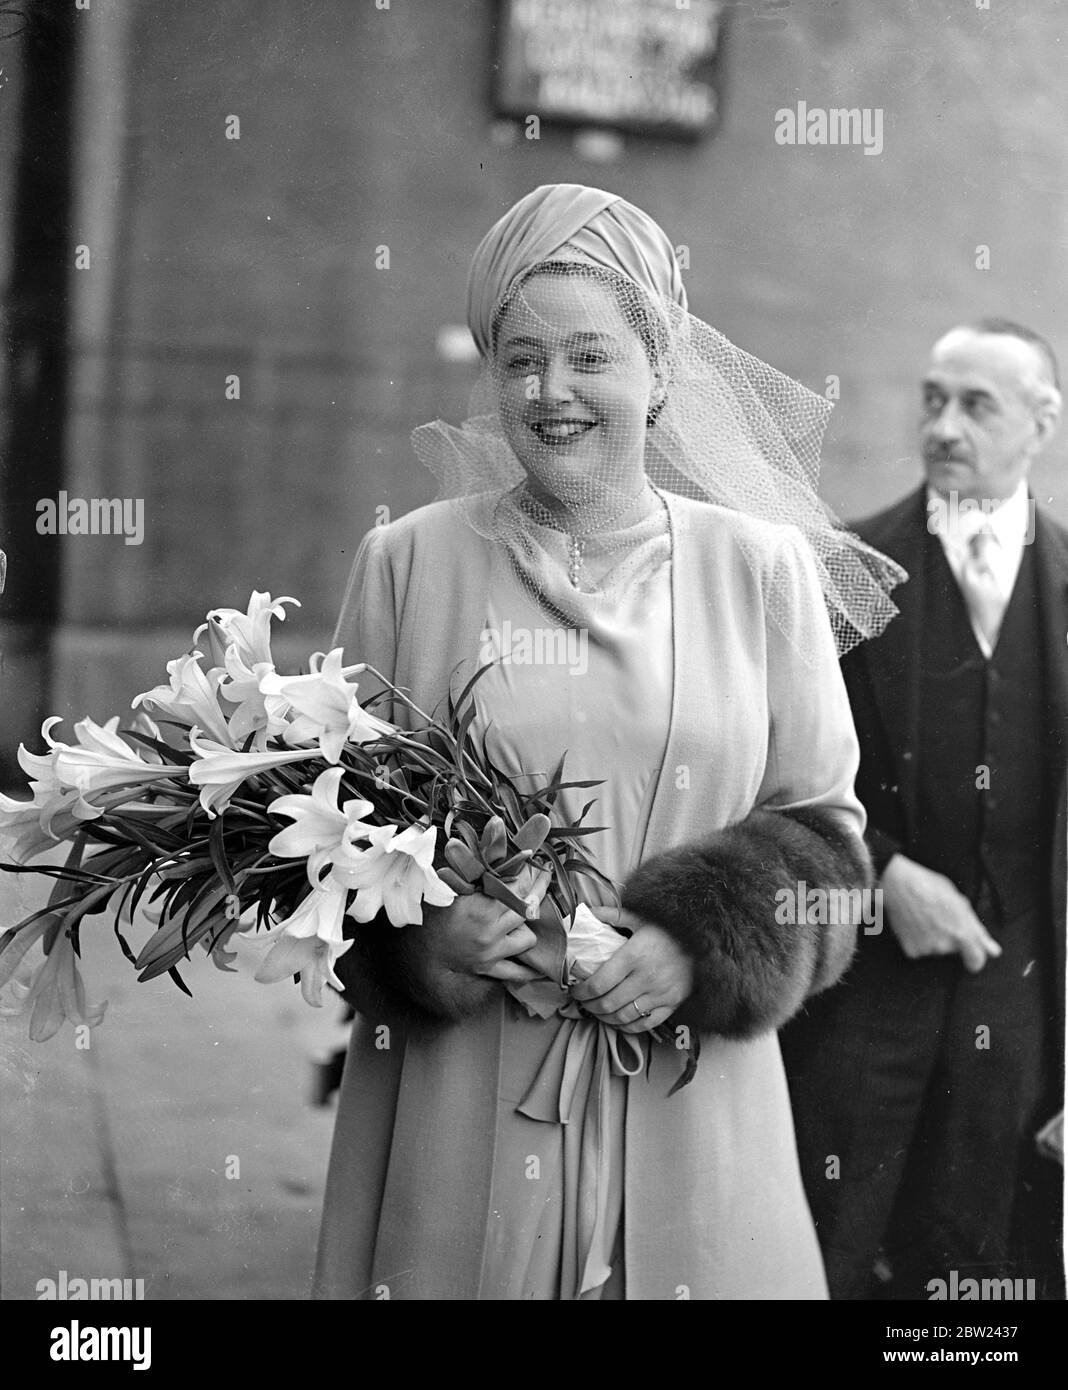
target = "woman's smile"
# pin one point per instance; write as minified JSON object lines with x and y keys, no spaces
{"x":573,"y":386}
{"x":562,"y":433}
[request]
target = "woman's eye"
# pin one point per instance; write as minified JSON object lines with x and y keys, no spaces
{"x":590,"y":361}
{"x":520,"y":364}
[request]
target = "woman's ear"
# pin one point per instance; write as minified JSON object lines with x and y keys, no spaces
{"x":657,"y":399}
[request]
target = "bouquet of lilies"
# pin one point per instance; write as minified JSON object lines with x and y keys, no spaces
{"x":237,"y":798}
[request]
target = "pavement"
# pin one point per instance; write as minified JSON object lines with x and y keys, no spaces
{"x":180,"y":1147}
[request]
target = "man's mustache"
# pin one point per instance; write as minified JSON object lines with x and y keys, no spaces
{"x":941,"y":453}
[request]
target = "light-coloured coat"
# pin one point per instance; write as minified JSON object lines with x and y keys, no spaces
{"x":714,"y":1207}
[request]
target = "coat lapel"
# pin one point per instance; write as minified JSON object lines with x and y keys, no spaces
{"x":894,"y":658}
{"x":1051,"y":565}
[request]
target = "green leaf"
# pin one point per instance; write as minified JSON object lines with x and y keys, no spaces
{"x":217,"y":847}
{"x":185,"y":868}
{"x":167,"y":752}
{"x":178,"y":981}
{"x":12,"y":932}
{"x":465,"y":694}
{"x":693,"y":1055}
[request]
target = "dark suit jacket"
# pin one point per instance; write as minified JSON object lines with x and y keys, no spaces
{"x":883,"y":679}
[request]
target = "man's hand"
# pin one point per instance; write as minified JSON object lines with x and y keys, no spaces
{"x":643,"y":984}
{"x":931,"y":917}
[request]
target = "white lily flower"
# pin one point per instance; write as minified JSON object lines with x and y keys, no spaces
{"x":320,"y":831}
{"x":256,"y":713}
{"x":396,"y":873}
{"x":309,"y":944}
{"x":311,"y":959}
{"x":41,"y":766}
{"x":325,"y":705}
{"x":249,"y":632}
{"x":52,"y":988}
{"x":101,"y":759}
{"x":28,"y":828}
{"x":191,"y":698}
{"x":219,"y":769}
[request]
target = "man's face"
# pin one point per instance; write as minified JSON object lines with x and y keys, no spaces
{"x":980,"y":430}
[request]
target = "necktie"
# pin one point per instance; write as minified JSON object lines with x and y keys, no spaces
{"x":981,"y":589}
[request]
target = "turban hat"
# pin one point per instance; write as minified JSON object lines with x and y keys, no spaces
{"x":601,"y":227}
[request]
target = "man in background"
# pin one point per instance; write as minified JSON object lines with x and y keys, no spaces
{"x":921,"y":1081}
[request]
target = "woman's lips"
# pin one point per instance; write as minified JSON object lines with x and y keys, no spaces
{"x":558,"y":433}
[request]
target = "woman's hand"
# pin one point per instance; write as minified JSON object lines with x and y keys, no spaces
{"x":643,"y":984}
{"x":477,"y":935}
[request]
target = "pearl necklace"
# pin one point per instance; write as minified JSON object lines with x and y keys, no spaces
{"x":575,"y":539}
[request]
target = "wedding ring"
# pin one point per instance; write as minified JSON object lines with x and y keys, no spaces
{"x":641,"y":1012}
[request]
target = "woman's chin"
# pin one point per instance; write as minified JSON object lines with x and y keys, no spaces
{"x":572,"y":478}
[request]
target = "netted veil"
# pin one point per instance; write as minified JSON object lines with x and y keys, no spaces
{"x":599,"y":389}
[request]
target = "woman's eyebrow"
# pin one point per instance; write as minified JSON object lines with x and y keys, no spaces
{"x":582,"y":336}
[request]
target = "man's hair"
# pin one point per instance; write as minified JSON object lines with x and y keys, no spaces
{"x":1026,"y":335}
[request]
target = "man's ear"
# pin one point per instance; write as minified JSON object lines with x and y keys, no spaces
{"x":1047,"y":417}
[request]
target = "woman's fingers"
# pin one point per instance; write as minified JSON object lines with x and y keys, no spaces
{"x":516,"y":941}
{"x":644,"y":975}
{"x":512,"y":972}
{"x":617,"y":1006}
{"x":646,"y":1025}
{"x":605,"y":978}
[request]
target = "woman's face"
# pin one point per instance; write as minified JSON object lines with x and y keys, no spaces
{"x":574,"y":386}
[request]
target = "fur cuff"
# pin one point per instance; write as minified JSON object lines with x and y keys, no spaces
{"x":723,"y":901}
{"x":394,"y":972}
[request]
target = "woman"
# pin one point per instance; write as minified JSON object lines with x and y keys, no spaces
{"x":489,"y":1143}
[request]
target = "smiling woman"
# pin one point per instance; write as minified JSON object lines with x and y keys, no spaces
{"x":576,"y":400}
{"x":599,"y":387}
{"x":559,"y":378}
{"x":625,"y":477}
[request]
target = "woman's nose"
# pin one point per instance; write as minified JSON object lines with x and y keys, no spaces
{"x":556,"y":381}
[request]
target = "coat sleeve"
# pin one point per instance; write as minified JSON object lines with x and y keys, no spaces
{"x":391,"y":970}
{"x":367,"y":624}
{"x":734,"y":899}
